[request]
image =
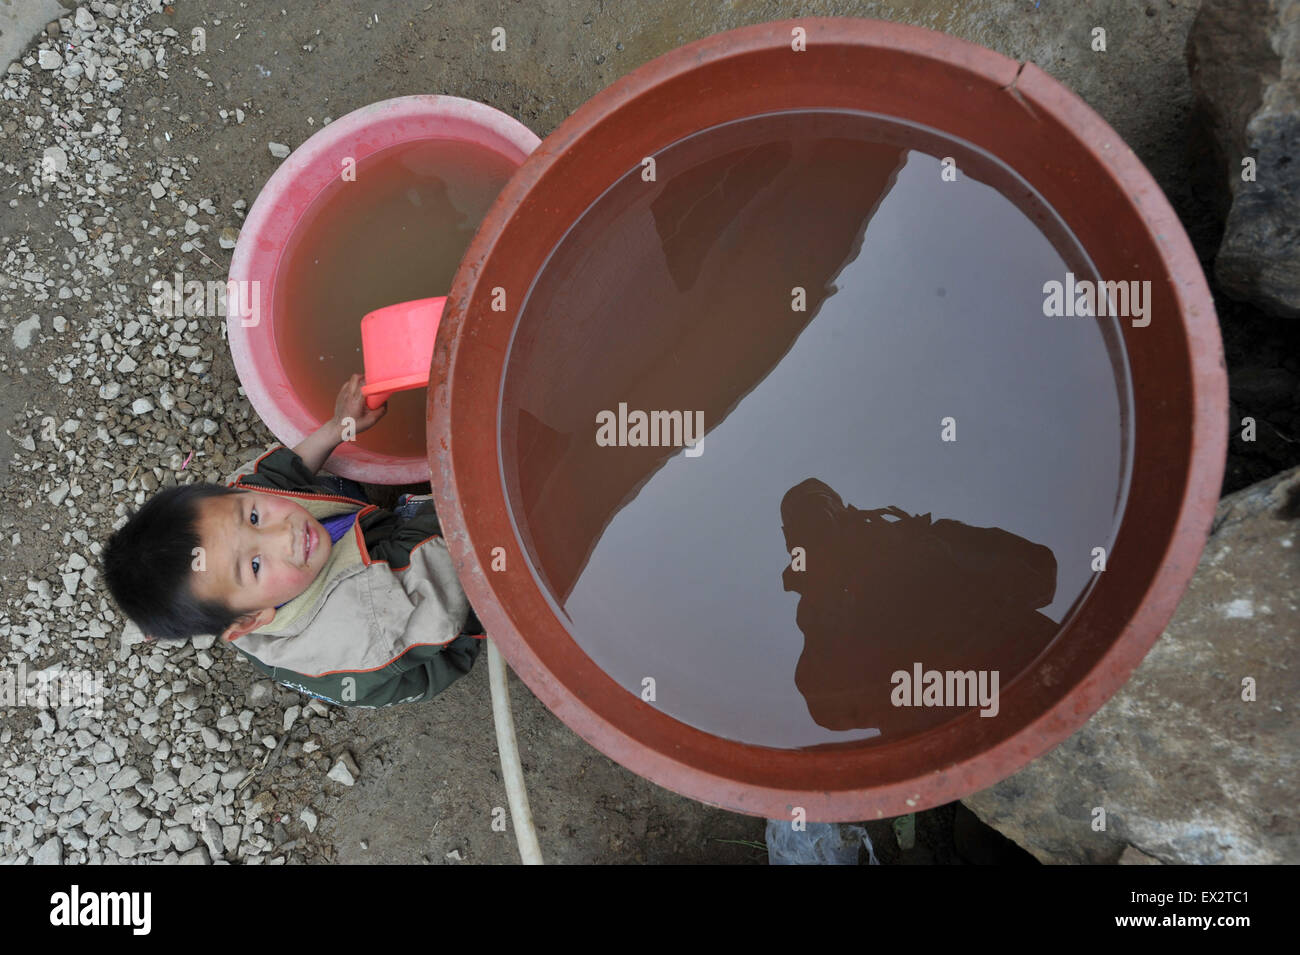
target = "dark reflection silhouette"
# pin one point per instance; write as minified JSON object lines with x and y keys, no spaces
{"x":882,"y":590}
{"x":678,"y":342}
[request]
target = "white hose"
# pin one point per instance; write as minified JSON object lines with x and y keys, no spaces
{"x":512,"y":772}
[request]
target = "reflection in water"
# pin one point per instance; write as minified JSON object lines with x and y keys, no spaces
{"x":631,"y":321}
{"x":923,"y":300}
{"x":881,"y":590}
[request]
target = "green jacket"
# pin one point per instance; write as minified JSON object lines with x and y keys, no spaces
{"x":383,"y":621}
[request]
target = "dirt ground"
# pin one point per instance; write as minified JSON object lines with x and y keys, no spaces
{"x":430,"y":775}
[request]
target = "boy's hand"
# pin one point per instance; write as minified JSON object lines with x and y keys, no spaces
{"x":351,"y":403}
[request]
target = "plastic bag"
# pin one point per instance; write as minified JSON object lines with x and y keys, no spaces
{"x":818,"y":843}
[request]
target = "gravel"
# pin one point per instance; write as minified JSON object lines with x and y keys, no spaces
{"x":344,"y":771}
{"x":24,"y":331}
{"x":189,"y":758}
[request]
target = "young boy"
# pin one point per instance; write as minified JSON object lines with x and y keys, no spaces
{"x":320,"y":590}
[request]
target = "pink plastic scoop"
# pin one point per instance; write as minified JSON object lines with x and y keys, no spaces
{"x":397,"y":347}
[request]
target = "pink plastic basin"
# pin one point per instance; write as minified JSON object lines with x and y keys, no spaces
{"x":276,"y":214}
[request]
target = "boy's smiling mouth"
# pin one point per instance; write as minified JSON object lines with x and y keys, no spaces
{"x":308,"y":543}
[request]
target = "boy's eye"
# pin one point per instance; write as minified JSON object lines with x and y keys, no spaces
{"x":257,"y":563}
{"x":253,"y":516}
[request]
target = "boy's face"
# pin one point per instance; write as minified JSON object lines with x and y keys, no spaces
{"x":260,"y":551}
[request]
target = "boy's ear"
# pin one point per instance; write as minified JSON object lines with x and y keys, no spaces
{"x":247,"y":623}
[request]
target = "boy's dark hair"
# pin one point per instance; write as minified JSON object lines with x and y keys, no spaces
{"x":147,"y":562}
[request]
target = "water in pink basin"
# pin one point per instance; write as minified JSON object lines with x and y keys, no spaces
{"x":376,"y":208}
{"x":395,"y":234}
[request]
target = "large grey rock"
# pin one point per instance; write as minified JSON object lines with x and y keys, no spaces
{"x":1187,"y":771}
{"x":1244,"y":58}
{"x":19,"y":22}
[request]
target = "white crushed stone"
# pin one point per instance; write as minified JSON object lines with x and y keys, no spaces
{"x":156,"y":777}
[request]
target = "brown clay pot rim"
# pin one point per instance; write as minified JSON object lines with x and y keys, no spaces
{"x":754,"y":779}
